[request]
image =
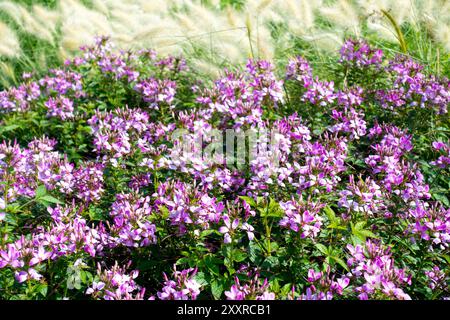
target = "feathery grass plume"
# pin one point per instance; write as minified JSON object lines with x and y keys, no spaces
{"x":343,"y":15}
{"x":12,"y":10}
{"x":381,"y":30}
{"x":443,"y":36}
{"x":299,"y":14}
{"x":186,"y":22}
{"x":101,"y":6}
{"x":128,"y":23}
{"x":206,"y":68}
{"x":7,"y":75}
{"x":146,"y":35}
{"x":155,"y":6}
{"x":203,"y":15}
{"x":233,"y":17}
{"x":248,"y":26}
{"x":48,"y":19}
{"x":232,"y":52}
{"x":80,"y":25}
{"x":38,"y":21}
{"x":218,"y":31}
{"x":265,"y":49}
{"x":401,"y":10}
{"x":263,"y":5}
{"x":326,"y":41}
{"x":9,"y":44}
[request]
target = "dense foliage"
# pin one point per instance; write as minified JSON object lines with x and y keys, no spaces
{"x":95,"y":203}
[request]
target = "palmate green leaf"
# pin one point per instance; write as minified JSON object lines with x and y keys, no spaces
{"x":255,"y":254}
{"x":11,"y":220}
{"x":330,"y":213}
{"x":8,"y":128}
{"x":332,"y":255}
{"x":335,"y":223}
{"x":208,"y":232}
{"x":359,"y":232}
{"x":238,"y":255}
{"x":43,"y":197}
{"x":183,"y":260}
{"x":274,"y":209}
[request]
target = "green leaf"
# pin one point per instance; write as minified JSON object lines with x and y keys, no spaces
{"x":330,"y":213}
{"x":249,"y":200}
{"x":216,"y":289}
{"x":274,"y":209}
{"x":254,"y":252}
{"x":51,"y":199}
{"x":164,"y":212}
{"x":83,"y":276}
{"x":42,"y":288}
{"x":274,"y":285}
{"x":322,"y":248}
{"x":341,"y":263}
{"x":207,"y":232}
{"x":335,"y":223}
{"x":95,"y":214}
{"x":212,"y":263}
{"x":270,"y":262}
{"x":446,"y":257}
{"x":183,"y":260}
{"x":441,"y":198}
{"x":359,"y":232}
{"x":200,"y":278}
{"x":286,"y":289}
{"x":40,"y":191}
{"x":238,"y":255}
{"x":11,"y":127}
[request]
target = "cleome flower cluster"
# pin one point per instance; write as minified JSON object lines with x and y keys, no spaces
{"x":98,"y":200}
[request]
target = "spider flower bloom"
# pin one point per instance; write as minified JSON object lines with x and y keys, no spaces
{"x":302,"y":217}
{"x":444,"y":159}
{"x":373,"y":272}
{"x":359,"y":53}
{"x":182,"y":287}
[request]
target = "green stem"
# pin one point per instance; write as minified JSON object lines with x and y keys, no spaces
{"x":267,"y":240}
{"x":249,"y":35}
{"x":398,"y":31}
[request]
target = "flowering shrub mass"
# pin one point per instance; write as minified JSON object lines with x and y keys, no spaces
{"x":98,"y":200}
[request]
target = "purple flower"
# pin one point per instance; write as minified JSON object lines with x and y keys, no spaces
{"x":444,"y":159}
{"x":373,"y":270}
{"x":157,"y":92}
{"x":96,"y":287}
{"x":302,"y":217}
{"x":359,"y":54}
{"x":183,"y":287}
